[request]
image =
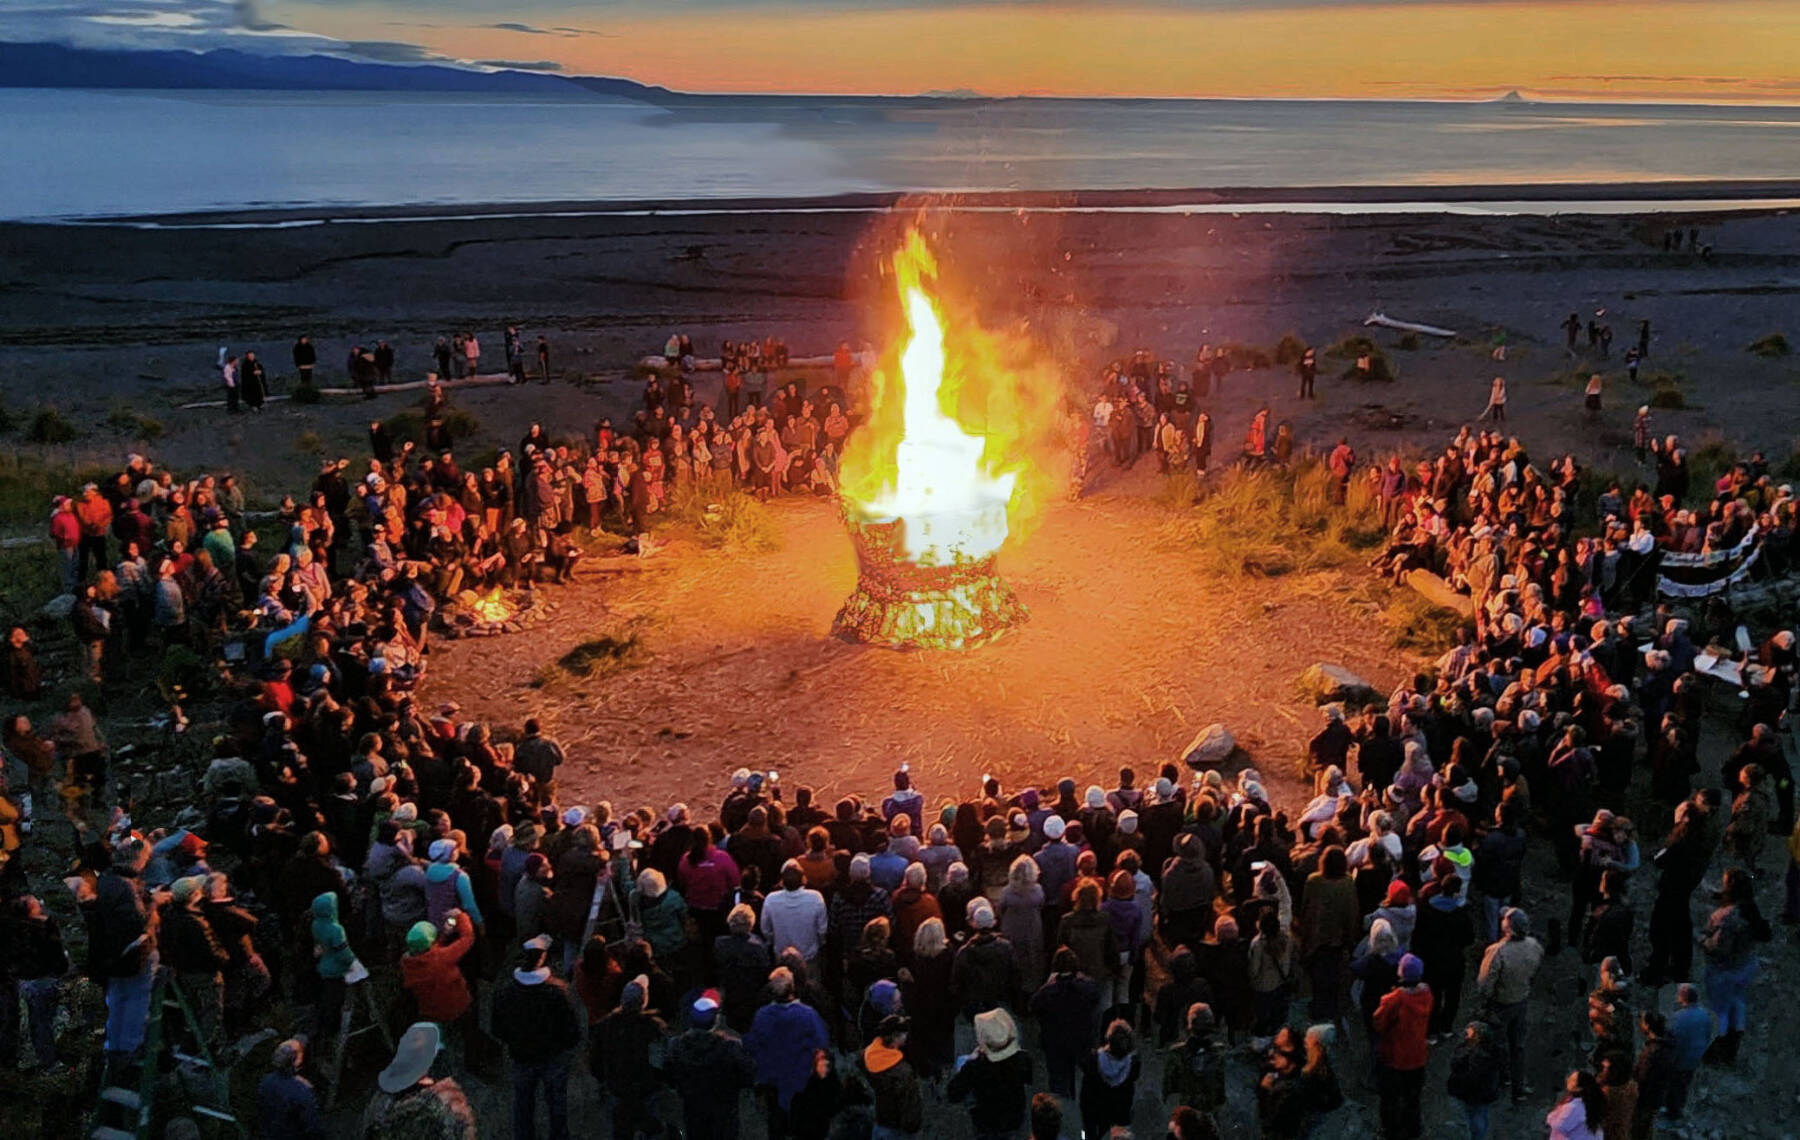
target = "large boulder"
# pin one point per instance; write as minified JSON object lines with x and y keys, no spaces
{"x":1327,"y":684}
{"x":1210,"y":749}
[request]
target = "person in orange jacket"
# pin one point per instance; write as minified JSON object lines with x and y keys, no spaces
{"x":431,"y":968}
{"x":1401,"y":1022}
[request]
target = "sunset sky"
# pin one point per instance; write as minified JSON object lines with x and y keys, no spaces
{"x":1677,"y":50}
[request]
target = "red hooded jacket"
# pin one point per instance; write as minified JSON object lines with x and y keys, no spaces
{"x":1401,"y":1020}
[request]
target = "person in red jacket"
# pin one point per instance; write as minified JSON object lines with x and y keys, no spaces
{"x":65,"y":532}
{"x":96,"y":516}
{"x":432,"y":973}
{"x":1401,"y":1022}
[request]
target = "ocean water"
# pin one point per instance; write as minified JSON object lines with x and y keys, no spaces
{"x":72,"y":154}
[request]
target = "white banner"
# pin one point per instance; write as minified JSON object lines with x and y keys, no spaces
{"x":1674,"y":589}
{"x":1716,"y":558}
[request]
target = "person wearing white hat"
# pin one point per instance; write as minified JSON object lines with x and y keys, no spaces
{"x":408,"y":1096}
{"x":447,"y":886}
{"x":1056,"y":858}
{"x":996,"y":1078}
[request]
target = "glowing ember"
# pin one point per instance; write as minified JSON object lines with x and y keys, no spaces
{"x":492,"y":607}
{"x":927,"y":514}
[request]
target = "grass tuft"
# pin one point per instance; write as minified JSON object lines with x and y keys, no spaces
{"x":1270,"y":523}
{"x":51,"y":426}
{"x":29,"y":482}
{"x":1772,"y":346}
{"x":1289,"y":349}
{"x":734,"y":522}
{"x":129,"y":423}
{"x":602,"y":656}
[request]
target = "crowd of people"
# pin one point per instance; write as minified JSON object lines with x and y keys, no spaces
{"x":1042,"y":957}
{"x":1490,"y":523}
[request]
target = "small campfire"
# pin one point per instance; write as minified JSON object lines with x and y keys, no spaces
{"x":498,"y":611}
{"x":492,"y":607}
{"x":925,"y":506}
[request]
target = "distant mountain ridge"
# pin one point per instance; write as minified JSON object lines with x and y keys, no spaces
{"x":57,"y":65}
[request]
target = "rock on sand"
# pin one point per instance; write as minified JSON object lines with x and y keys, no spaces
{"x":1211,"y":748}
{"x":1326,"y":684}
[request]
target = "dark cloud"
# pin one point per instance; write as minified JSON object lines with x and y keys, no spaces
{"x":389,"y":51}
{"x":521,"y":65}
{"x":561,"y":32}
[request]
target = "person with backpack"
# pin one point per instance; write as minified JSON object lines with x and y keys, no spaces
{"x":1194,"y":1069}
{"x":1476,"y":1072}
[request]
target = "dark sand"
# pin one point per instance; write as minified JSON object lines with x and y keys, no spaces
{"x":97,"y":318}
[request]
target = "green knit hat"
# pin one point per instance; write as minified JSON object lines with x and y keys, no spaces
{"x":422,"y":937}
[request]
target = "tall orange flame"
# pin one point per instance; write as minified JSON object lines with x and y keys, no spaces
{"x":948,"y":434}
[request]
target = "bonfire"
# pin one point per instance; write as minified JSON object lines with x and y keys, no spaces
{"x":491,"y":607}
{"x":924,"y":500}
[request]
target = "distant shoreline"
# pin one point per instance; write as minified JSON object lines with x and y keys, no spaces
{"x":1695,"y":197}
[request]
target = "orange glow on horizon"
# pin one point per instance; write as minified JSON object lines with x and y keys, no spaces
{"x":1672,"y":50}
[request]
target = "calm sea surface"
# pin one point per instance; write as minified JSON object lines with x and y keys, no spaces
{"x":80,"y":154}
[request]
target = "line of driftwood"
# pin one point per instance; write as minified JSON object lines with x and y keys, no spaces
{"x":483,"y":381}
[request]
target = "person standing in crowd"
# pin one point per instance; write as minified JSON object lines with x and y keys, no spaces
{"x":534,"y":1017}
{"x":1477,"y":1069}
{"x":623,"y":1042}
{"x":995,"y":1079}
{"x":1401,"y":1023}
{"x":306,"y":358}
{"x":707,"y":1067}
{"x":410,"y":1102}
{"x":783,"y":1039}
{"x":1307,"y":368}
{"x":253,"y":380}
{"x":286,"y":1106}
{"x":33,"y":963}
{"x":1508,"y":969}
{"x":1109,"y":1077}
{"x":1496,"y":405}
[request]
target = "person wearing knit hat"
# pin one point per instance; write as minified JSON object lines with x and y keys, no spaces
{"x":531,"y":895}
{"x":431,"y":970}
{"x":1401,"y":1023}
{"x":707,"y":1067}
{"x":420,"y":938}
{"x":1055,"y":859}
{"x":899,"y":1108}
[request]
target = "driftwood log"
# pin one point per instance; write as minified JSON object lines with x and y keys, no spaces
{"x":483,"y":381}
{"x":1438,"y":592}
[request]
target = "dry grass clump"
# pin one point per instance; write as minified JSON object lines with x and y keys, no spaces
{"x":735,"y":522}
{"x":1275,"y":521}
